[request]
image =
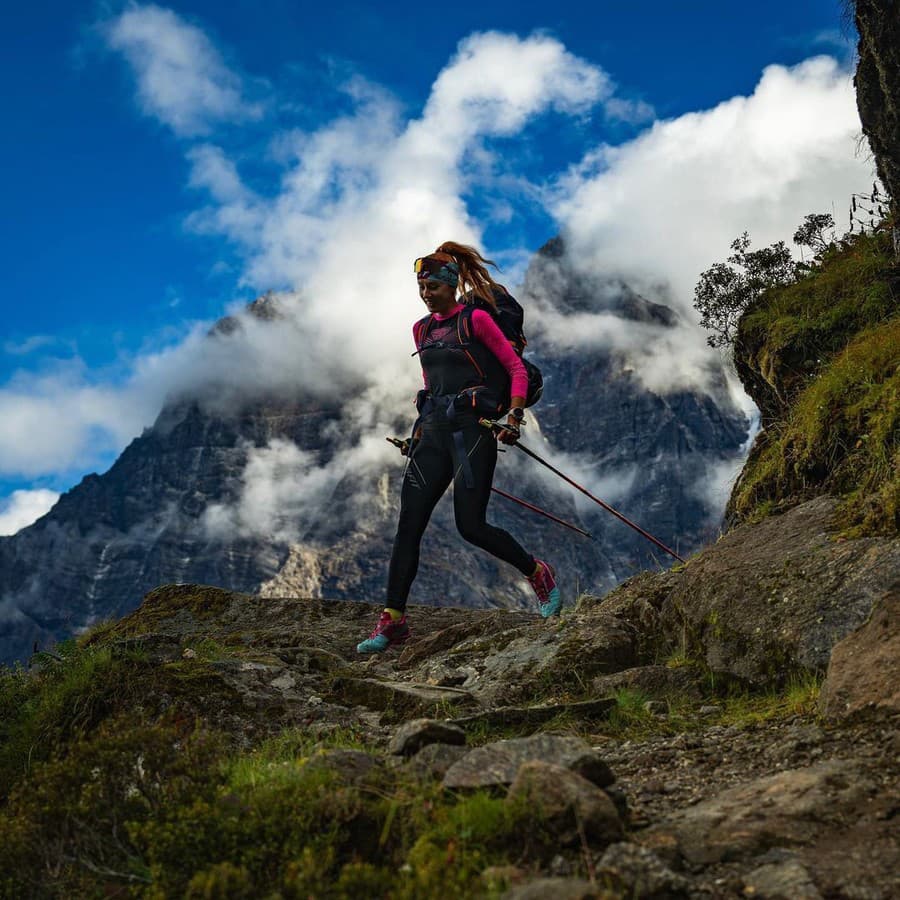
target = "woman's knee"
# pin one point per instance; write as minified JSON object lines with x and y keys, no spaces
{"x":472,"y":530}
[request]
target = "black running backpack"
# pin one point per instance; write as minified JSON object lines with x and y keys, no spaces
{"x":510,"y":318}
{"x":489,"y":392}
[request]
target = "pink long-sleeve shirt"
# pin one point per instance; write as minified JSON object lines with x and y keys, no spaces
{"x":488,"y":333}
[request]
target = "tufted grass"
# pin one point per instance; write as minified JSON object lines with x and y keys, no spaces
{"x":842,"y":436}
{"x":107,"y":794}
{"x":831,"y":343}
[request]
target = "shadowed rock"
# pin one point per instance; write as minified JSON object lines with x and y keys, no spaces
{"x":569,"y":805}
{"x":781,"y":809}
{"x":636,"y":871}
{"x":496,"y":764}
{"x":864,"y":670}
{"x":412,"y":736}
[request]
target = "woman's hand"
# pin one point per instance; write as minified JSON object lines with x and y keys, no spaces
{"x":510,"y":434}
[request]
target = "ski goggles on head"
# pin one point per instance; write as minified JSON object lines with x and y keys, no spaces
{"x":434,"y":268}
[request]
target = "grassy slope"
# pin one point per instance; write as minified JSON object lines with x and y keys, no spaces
{"x":829,"y":346}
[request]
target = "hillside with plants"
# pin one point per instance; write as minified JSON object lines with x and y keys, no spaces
{"x":819,"y":356}
{"x":724,"y":729}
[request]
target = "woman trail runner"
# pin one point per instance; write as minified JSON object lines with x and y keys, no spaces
{"x":464,"y":356}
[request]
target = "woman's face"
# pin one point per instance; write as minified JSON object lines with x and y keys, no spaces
{"x":438,"y":296}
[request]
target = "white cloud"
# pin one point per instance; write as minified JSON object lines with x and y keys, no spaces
{"x":667,"y":204}
{"x":634,"y":112}
{"x":364,"y":194}
{"x":55,"y":420}
{"x":22,"y":508}
{"x":182,"y":79}
{"x":656,"y":211}
{"x":284,"y":490}
{"x":29,"y":345}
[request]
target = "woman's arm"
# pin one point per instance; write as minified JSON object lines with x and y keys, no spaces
{"x":488,"y":332}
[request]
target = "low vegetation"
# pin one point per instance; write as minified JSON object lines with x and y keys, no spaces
{"x":817,"y":350}
{"x":107,"y":792}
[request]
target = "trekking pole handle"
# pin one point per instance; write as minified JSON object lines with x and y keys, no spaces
{"x":492,"y":424}
{"x":402,"y":446}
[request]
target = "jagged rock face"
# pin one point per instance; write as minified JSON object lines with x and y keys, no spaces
{"x":114,"y":536}
{"x":117,"y":535}
{"x":878,"y":92}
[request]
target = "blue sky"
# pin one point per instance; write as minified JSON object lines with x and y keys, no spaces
{"x":133,"y":206}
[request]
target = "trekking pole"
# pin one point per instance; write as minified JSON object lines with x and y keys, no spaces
{"x":542,"y":512}
{"x":403,"y":447}
{"x":488,"y":423}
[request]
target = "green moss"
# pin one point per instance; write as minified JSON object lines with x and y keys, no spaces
{"x":42,"y":711}
{"x":794,"y":329}
{"x":828,"y":346}
{"x":65,"y":829}
{"x":169,"y":808}
{"x":200,"y":602}
{"x":842,"y":436}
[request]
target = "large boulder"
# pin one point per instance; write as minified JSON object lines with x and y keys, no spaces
{"x":497,"y":764}
{"x":779,"y":810}
{"x":570,"y":806}
{"x":773,"y":598}
{"x":864,"y":671}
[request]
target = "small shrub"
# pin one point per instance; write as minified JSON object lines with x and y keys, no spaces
{"x":223,"y":881}
{"x":630,"y":709}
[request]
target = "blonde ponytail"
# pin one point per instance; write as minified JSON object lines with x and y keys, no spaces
{"x":473,"y":273}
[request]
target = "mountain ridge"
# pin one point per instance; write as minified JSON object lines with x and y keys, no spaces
{"x":147,"y":520}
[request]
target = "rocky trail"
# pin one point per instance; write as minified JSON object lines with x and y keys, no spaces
{"x":701,"y":790}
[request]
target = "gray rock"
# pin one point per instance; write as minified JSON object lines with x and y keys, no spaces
{"x":412,"y":736}
{"x":571,"y":806}
{"x":555,"y":889}
{"x":776,"y":596}
{"x":788,"y":880}
{"x":351,"y":766}
{"x":433,"y":760}
{"x":782,"y":809}
{"x":710,"y":709}
{"x":638,"y":872}
{"x":496,"y":764}
{"x":655,"y":681}
{"x":864,"y":669}
{"x":657,"y":707}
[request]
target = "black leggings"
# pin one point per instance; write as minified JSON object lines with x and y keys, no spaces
{"x":433,"y":465}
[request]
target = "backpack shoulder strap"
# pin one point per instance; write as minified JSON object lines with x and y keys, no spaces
{"x":420,"y":330}
{"x":464,"y":323}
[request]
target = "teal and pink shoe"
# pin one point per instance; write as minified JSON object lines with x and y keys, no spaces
{"x":544,"y":584}
{"x":387,"y":633}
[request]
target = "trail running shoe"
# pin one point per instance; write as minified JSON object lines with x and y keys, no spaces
{"x":387,"y":633}
{"x":544,"y":584}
